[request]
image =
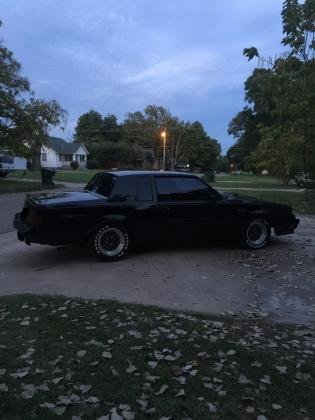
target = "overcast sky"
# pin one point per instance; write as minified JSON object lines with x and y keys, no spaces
{"x":117,"y":56}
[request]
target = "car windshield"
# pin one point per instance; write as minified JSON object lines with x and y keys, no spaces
{"x":101,"y":184}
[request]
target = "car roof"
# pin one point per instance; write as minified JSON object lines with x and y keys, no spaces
{"x":158,"y":173}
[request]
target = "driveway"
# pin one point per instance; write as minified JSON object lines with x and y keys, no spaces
{"x":278,"y":282}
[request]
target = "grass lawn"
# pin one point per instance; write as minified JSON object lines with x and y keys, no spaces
{"x":78,"y":175}
{"x":64,"y":357}
{"x":250,"y":181}
{"x":294,"y":199}
{"x":13,"y":186}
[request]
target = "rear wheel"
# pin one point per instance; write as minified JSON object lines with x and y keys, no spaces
{"x":256,"y":234}
{"x":3,"y":174}
{"x":110,"y":242}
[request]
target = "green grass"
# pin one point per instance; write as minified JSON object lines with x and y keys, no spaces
{"x":251,"y":181}
{"x":13,"y":186}
{"x":294,"y":199}
{"x":86,"y":358}
{"x":79,"y":176}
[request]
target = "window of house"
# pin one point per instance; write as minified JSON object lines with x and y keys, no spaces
{"x":181,"y":189}
{"x":68,"y":158}
{"x":82,"y":158}
{"x":44,"y":157}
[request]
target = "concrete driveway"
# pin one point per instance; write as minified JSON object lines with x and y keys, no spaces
{"x":278,"y":281}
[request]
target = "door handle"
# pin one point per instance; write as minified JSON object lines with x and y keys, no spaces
{"x":163,"y":209}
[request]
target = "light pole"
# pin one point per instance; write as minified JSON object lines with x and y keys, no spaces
{"x":163,"y":135}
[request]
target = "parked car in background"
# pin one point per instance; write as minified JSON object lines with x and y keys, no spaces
{"x":6,"y":162}
{"x":304,"y":180}
{"x":120,"y":208}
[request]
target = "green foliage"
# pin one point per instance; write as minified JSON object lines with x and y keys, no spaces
{"x":222,"y":164}
{"x":209,"y":176}
{"x":92,"y":128}
{"x":89,"y":128}
{"x":74,"y":165}
{"x":250,"y":53}
{"x":277,"y":131}
{"x":186,"y":143}
{"x":92,"y":164}
{"x":137,"y":141}
{"x":24,"y":120}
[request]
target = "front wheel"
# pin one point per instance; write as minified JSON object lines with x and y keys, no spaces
{"x":256,"y":234}
{"x":109,"y":242}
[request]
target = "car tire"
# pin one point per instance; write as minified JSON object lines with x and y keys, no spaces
{"x":3,"y":174}
{"x":110,"y":242}
{"x":256,"y":234}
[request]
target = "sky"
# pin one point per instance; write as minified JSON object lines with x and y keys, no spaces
{"x":118,"y":56}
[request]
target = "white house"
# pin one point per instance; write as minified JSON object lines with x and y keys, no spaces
{"x":59,"y":154}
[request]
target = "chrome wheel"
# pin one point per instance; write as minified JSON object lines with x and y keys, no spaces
{"x":257,"y":234}
{"x":111,"y":241}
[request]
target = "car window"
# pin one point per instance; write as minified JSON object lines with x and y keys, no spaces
{"x":124,"y":189}
{"x":181,"y":189}
{"x":101,"y":184}
{"x":144,"y":189}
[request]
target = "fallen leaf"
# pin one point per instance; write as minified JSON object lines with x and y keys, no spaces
{"x":162,"y":390}
{"x":3,"y":388}
{"x":180,"y":393}
{"x":92,"y":400}
{"x":212,"y":408}
{"x":131,"y":369}
{"x":242,"y":379}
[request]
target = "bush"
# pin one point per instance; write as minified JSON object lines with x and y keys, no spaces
{"x":92,"y":164}
{"x":74,"y":165}
{"x":209,"y":176}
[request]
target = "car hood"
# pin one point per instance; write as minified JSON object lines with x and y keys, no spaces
{"x":66,"y":199}
{"x":242,"y":199}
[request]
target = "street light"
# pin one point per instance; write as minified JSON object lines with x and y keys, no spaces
{"x":163,"y":135}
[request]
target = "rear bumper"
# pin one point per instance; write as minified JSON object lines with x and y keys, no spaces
{"x":37,"y":234}
{"x":287,"y":228}
{"x":24,"y":231}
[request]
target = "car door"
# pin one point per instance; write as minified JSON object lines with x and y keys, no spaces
{"x":151,"y":219}
{"x":194,"y":210}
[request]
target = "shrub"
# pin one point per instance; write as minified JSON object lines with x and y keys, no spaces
{"x":92,"y":164}
{"x":209,"y":176}
{"x":74,"y":164}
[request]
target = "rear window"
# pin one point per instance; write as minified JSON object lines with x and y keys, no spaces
{"x":101,"y":184}
{"x":181,"y":189}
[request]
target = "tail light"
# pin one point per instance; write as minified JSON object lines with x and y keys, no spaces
{"x":33,"y":218}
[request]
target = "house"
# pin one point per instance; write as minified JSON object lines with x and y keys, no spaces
{"x":57,"y":153}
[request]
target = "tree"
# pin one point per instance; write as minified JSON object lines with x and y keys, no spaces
{"x":12,"y":86}
{"x":32,"y":127}
{"x":89,"y":128}
{"x":245,"y":128}
{"x":186,"y":143}
{"x":282,"y":98}
{"x":24,"y":120}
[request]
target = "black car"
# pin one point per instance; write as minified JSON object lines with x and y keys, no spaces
{"x":119,"y":208}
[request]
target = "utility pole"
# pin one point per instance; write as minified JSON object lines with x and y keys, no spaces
{"x":163,"y":135}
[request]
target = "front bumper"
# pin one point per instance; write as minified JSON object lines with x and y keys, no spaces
{"x":287,"y":228}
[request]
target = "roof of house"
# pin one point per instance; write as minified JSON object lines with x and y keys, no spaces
{"x":59,"y":145}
